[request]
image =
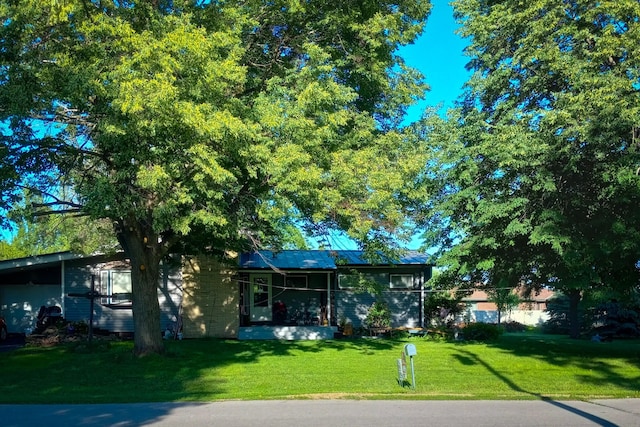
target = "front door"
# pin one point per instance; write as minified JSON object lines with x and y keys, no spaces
{"x":260,"y":297}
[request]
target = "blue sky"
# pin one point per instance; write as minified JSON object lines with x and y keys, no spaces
{"x":438,"y":54}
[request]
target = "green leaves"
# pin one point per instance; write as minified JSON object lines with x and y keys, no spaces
{"x":219,"y":118}
{"x":536,"y":176}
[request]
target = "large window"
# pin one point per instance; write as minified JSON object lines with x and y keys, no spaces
{"x":401,"y":281}
{"x":362,"y":280}
{"x":116,"y":285}
{"x":348,"y":281}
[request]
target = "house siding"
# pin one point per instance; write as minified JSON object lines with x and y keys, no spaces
{"x":404,"y":306}
{"x":531,"y":311}
{"x":78,"y":278}
{"x":211,"y":299}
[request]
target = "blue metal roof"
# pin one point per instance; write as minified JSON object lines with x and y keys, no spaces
{"x":317,"y":259}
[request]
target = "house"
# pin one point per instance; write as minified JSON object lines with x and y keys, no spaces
{"x":530,"y":311}
{"x":288,"y":294}
{"x":26,"y":284}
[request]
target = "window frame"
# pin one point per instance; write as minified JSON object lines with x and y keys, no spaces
{"x":342,"y":276}
{"x":401,"y":275}
{"x":109,"y":283}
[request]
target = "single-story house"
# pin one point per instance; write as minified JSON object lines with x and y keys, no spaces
{"x":288,"y":294}
{"x":530,"y":311}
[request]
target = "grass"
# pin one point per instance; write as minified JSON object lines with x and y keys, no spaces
{"x":517,"y":366}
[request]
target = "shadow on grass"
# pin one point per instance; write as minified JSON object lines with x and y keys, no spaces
{"x":110,"y":373}
{"x":468,"y":358}
{"x":562,"y":351}
{"x":251,"y":350}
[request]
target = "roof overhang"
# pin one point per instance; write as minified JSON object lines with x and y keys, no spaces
{"x":38,"y":261}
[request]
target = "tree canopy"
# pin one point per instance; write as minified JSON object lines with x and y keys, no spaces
{"x":196,"y":125}
{"x":536,"y":173}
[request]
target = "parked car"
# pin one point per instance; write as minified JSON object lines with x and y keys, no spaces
{"x":3,"y":329}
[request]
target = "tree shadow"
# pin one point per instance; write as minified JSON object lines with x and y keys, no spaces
{"x":468,"y":357}
{"x":596,"y":357}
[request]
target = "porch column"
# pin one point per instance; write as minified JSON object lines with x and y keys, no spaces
{"x":422,"y":285}
{"x":62,"y":288}
{"x":329,"y":298}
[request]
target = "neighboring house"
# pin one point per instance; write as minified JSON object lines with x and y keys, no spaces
{"x":530,"y":311}
{"x":26,"y":284}
{"x":288,"y":294}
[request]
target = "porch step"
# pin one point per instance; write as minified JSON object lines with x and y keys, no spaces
{"x":287,"y":332}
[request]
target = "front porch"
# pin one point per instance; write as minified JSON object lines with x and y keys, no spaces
{"x":276,"y":332}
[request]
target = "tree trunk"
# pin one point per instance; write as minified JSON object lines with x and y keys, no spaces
{"x":574,"y":316}
{"x":141,"y":246}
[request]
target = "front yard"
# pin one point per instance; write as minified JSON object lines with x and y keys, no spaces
{"x":517,"y":366}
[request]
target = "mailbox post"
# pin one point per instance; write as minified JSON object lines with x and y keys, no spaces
{"x":410,"y":350}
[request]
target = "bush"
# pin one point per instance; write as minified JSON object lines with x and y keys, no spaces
{"x":513,"y":327}
{"x":481,"y":332}
{"x":378,"y":316}
{"x":441,"y":309}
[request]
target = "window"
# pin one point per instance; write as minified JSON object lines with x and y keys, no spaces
{"x":400,"y":281}
{"x":116,"y":284}
{"x":348,"y":281}
{"x":295,"y":281}
{"x":366,"y":280}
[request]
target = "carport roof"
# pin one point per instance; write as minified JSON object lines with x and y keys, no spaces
{"x":317,"y":260}
{"x":47,"y":260}
{"x":38,"y":260}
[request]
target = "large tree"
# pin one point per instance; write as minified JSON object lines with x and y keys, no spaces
{"x":197,"y":125}
{"x":538,"y":178}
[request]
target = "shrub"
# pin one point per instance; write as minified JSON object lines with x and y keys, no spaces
{"x":513,"y":326}
{"x":481,"y":332}
{"x":378,"y":316}
{"x":441,"y":309}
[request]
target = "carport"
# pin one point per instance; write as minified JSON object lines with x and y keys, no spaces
{"x":26,"y":284}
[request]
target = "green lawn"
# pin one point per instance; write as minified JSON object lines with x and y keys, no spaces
{"x":517,"y":366}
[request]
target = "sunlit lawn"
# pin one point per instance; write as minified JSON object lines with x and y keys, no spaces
{"x":518,"y":366}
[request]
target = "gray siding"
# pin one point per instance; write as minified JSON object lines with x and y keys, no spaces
{"x":78,"y":280}
{"x":404,"y":306}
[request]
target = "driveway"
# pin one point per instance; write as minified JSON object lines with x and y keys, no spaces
{"x":334,"y":413}
{"x":12,"y":342}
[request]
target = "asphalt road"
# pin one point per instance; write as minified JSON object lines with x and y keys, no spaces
{"x":334,"y":413}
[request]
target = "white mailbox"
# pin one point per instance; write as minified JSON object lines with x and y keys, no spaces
{"x":410,"y":350}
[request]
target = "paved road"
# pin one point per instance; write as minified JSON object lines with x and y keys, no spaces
{"x":333,"y":413}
